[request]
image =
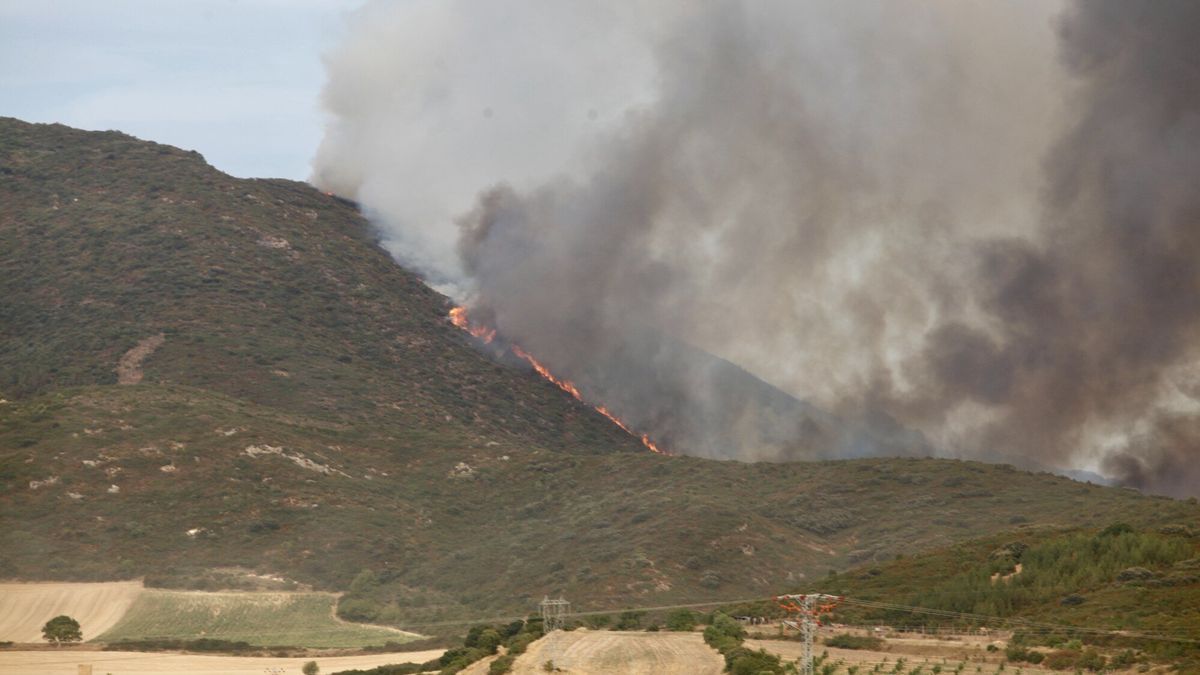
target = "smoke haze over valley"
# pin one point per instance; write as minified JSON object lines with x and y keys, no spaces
{"x":966,"y":229}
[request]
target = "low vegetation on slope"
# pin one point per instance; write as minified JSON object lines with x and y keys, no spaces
{"x":309,"y":412}
{"x":1132,"y":582}
{"x":259,"y":619}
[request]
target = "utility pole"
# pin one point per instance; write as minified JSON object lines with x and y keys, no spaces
{"x":808,"y":609}
{"x":554,"y":613}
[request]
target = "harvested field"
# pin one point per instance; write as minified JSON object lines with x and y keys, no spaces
{"x":66,"y":662}
{"x":25,"y":608}
{"x":582,"y":652}
{"x":263,"y":619}
{"x":897,"y":649}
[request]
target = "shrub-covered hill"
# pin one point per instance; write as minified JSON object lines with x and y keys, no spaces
{"x":297,"y":404}
{"x":264,"y":290}
{"x":1137,"y":581}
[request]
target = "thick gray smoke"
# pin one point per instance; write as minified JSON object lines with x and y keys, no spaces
{"x":968,"y":220}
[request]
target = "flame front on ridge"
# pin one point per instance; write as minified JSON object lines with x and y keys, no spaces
{"x":458,"y":317}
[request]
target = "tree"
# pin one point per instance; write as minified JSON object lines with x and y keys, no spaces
{"x":489,"y":641}
{"x":311,"y":668}
{"x":60,"y":629}
{"x":681,"y":620}
{"x":630,"y":620}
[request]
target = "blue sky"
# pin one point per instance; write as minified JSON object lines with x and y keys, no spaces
{"x":237,"y":80}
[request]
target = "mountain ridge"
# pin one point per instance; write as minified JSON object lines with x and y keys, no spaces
{"x":310,"y":411}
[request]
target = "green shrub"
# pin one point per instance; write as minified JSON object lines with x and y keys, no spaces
{"x":1116,"y":529}
{"x":746,"y":662}
{"x":397,"y":669}
{"x":1018,"y":653}
{"x":519,"y":643}
{"x":630,"y":620}
{"x":848,"y":641}
{"x":1062,"y":659}
{"x":502,"y":664}
{"x":681,"y":620}
{"x":597,"y":621}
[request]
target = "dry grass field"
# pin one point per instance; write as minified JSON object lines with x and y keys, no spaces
{"x":929,"y":652}
{"x":66,"y":662}
{"x":583,"y":652}
{"x":25,"y":608}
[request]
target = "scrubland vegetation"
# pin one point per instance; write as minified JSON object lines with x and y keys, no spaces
{"x":1133,"y":594}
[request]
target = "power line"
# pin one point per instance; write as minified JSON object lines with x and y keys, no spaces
{"x":870,"y":604}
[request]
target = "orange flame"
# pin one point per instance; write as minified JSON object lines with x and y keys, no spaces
{"x":458,"y":317}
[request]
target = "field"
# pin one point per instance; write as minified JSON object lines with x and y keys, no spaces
{"x":925,"y":653}
{"x":66,"y":662}
{"x":583,"y":652}
{"x":265,"y":619}
{"x":25,"y":608}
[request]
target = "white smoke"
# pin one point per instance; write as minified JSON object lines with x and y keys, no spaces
{"x":831,"y":195}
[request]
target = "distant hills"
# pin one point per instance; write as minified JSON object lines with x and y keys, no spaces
{"x":295,"y":403}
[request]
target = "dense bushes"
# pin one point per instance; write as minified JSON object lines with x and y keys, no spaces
{"x":726,"y":636}
{"x":398,"y":669}
{"x":1067,"y":659}
{"x":682,"y":620}
{"x":200,"y":645}
{"x":1056,"y":568}
{"x":848,"y":641}
{"x":1018,"y":653}
{"x":630,"y":620}
{"x":502,"y":665}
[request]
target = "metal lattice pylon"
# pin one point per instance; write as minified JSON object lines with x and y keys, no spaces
{"x":554,"y":613}
{"x":808,"y":609}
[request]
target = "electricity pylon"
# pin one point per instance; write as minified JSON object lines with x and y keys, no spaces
{"x":808,"y":609}
{"x":554,"y":613}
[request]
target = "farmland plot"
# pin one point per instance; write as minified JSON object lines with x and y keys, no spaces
{"x":66,"y":662}
{"x":25,"y":608}
{"x":264,"y":619}
{"x":583,"y":652}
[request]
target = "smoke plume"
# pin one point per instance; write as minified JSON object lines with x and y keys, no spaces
{"x":964,"y":228}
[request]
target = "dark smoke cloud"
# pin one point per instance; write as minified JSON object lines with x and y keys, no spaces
{"x":962,"y":226}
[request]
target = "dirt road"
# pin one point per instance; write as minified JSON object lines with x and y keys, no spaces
{"x":66,"y":662}
{"x":582,"y":652}
{"x":25,"y":608}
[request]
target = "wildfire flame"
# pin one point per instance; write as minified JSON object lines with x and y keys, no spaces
{"x":458,"y":317}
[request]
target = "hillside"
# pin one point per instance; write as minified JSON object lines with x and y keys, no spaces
{"x":1139,"y":582}
{"x":206,"y":373}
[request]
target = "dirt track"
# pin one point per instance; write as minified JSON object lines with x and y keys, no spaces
{"x":25,"y":608}
{"x":66,"y":662}
{"x":582,"y":652}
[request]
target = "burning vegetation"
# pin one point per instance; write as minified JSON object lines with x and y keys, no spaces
{"x":458,"y":317}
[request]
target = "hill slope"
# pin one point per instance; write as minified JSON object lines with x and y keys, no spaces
{"x":1137,"y":582}
{"x":297,"y":404}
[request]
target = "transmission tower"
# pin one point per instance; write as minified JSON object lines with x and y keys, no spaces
{"x":554,"y":613}
{"x":808,"y":610}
